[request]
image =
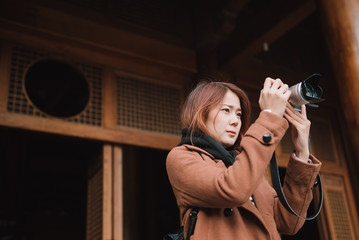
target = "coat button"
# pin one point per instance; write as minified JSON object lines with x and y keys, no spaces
{"x":228,"y":212}
{"x":267,"y":137}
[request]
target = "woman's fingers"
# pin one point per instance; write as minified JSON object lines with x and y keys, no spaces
{"x":269,"y":84}
{"x":277,"y":84}
{"x":300,"y":130}
{"x":304,"y":110}
{"x":291,"y":110}
{"x":284,"y":90}
{"x":274,"y":96}
{"x":297,"y":119}
{"x":302,"y":115}
{"x":291,"y":118}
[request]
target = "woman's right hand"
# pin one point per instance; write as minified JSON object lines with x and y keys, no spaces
{"x":274,"y":96}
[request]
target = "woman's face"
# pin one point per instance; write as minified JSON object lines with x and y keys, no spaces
{"x":224,"y":120}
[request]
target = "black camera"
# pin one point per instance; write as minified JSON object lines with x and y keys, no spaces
{"x":307,"y":92}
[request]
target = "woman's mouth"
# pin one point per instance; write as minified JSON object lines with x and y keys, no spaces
{"x":232,"y":133}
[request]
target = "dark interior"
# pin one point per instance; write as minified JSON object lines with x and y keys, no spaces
{"x":43,"y":185}
{"x":44,"y":182}
{"x":150,"y":209}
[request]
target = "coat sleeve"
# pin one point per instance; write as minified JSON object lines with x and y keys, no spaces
{"x":298,"y":184}
{"x":200,"y":183}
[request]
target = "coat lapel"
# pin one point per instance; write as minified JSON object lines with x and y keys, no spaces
{"x":249,"y":206}
{"x":260,"y":201}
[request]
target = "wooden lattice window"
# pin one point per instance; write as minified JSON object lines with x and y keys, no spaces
{"x":339,"y":215}
{"x":94,"y":206}
{"x":337,"y":208}
{"x":18,"y":102}
{"x":148,"y":106}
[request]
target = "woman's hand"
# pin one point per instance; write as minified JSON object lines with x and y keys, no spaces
{"x":274,"y":96}
{"x":299,"y":131}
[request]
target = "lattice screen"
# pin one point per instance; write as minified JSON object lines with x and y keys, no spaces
{"x":148,"y":106}
{"x":337,"y":208}
{"x":339,"y":215}
{"x":94,"y":206}
{"x":22,"y":58}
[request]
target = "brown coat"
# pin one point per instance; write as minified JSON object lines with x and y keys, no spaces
{"x":208,"y":184}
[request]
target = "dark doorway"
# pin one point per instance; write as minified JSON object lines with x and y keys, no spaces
{"x":43,"y":184}
{"x":150,"y":208}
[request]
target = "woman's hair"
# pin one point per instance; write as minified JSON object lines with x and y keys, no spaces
{"x":207,"y":95}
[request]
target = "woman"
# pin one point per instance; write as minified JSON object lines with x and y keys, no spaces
{"x":220,"y":163}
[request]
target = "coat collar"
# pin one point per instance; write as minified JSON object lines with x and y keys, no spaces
{"x":197,"y":149}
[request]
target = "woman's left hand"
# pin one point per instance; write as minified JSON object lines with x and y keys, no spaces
{"x":299,"y":130}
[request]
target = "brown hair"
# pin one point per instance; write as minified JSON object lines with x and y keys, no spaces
{"x":205,"y":96}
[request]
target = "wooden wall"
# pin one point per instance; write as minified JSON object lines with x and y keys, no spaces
{"x":40,"y":32}
{"x":125,"y":71}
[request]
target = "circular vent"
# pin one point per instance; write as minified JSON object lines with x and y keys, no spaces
{"x":57,"y":88}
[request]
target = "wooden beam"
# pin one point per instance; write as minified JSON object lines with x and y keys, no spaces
{"x":115,"y":135}
{"x":66,"y":27}
{"x":251,"y":47}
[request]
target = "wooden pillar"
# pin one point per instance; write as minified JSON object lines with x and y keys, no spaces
{"x":112,"y":228}
{"x":107,"y":204}
{"x":118,"y":193}
{"x":341,"y":23}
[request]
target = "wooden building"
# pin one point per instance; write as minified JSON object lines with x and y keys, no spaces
{"x":90,"y":96}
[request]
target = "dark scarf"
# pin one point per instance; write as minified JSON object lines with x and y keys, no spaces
{"x":207,"y":143}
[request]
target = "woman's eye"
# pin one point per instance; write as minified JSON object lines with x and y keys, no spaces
{"x":226,"y":109}
{"x":239,"y":114}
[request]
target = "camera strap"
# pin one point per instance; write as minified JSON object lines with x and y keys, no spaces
{"x":192,"y":222}
{"x":278,"y":188}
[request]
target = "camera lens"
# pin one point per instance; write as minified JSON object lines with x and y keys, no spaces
{"x":312,"y":91}
{"x":306,"y":92}
{"x":309,"y":91}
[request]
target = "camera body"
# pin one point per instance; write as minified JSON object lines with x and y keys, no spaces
{"x":306,"y":92}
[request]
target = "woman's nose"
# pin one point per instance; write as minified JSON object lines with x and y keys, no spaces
{"x":234,"y":120}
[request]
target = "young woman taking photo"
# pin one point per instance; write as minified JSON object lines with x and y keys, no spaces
{"x":220,"y":163}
